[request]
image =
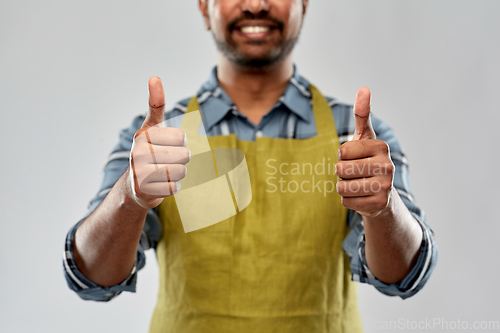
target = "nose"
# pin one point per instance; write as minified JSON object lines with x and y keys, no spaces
{"x":256,"y":6}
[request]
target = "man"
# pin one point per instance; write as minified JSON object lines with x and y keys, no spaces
{"x":286,"y":262}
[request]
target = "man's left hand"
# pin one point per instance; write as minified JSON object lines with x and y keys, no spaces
{"x":365,"y":166}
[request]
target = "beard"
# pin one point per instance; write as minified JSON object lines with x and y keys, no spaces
{"x":267,"y":60}
{"x":229,"y":48}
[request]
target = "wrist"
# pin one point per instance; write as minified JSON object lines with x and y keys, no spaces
{"x":389,"y":212}
{"x":130,"y":201}
{"x":130,"y":197}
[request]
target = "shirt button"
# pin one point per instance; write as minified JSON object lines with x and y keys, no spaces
{"x":258,"y":134}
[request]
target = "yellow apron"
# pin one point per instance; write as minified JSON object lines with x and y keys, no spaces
{"x":278,"y":265}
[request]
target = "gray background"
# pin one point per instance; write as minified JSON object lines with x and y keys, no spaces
{"x":72,"y":73}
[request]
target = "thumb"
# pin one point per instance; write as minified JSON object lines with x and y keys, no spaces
{"x":363,"y":129}
{"x":156,"y":103}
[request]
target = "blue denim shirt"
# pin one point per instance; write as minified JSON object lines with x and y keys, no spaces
{"x":291,"y":117}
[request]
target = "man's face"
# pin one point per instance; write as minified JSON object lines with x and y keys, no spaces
{"x":255,"y":33}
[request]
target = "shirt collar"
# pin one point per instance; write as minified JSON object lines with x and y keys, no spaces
{"x":216,"y":104}
{"x":297,"y":96}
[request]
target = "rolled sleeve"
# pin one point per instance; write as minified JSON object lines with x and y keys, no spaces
{"x":85,"y":288}
{"x":413,"y":282}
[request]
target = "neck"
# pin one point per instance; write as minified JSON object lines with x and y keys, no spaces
{"x":254,"y":91}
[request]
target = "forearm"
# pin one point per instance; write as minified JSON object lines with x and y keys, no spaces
{"x":106,"y":242}
{"x":393,"y":240}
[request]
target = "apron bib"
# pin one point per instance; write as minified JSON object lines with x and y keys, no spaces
{"x":276,"y":266}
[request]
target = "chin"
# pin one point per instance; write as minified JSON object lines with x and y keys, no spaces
{"x":255,"y":63}
{"x":255,"y":55}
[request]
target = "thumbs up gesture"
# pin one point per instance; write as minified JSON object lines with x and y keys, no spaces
{"x":365,"y":166}
{"x":159,"y":154}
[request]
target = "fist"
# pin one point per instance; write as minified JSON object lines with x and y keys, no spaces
{"x":159,"y":154}
{"x":365,"y":166}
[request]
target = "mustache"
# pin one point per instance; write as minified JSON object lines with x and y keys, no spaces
{"x":264,"y":16}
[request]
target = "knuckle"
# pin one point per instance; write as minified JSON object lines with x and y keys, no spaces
{"x":182,"y":137}
{"x":389,"y":168}
{"x":140,"y":154}
{"x":341,"y":189}
{"x":136,"y":155}
{"x":177,"y":135}
{"x":139,"y":133}
{"x":173,"y":188}
{"x":183,"y":153}
{"x":386,"y":186}
{"x":339,"y":168}
{"x":379,"y":145}
{"x":176,"y":172}
{"x":383,"y":146}
{"x":342,"y":150}
{"x":178,"y":155}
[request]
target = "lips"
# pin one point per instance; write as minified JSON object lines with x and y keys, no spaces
{"x":255,"y":25}
{"x":255,"y":29}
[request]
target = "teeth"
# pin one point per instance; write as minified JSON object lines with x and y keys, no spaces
{"x":254,"y":30}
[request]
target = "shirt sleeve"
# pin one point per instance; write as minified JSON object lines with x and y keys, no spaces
{"x":354,"y":244}
{"x":115,"y":166}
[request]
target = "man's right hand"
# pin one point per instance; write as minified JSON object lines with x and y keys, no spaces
{"x":159,"y":154}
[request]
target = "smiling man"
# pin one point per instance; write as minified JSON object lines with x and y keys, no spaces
{"x":331,"y":201}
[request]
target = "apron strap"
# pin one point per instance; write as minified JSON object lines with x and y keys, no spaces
{"x":193,"y":126}
{"x":193,"y":105}
{"x":325,"y":124}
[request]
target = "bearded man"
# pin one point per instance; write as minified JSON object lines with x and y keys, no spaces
{"x":288,"y":261}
